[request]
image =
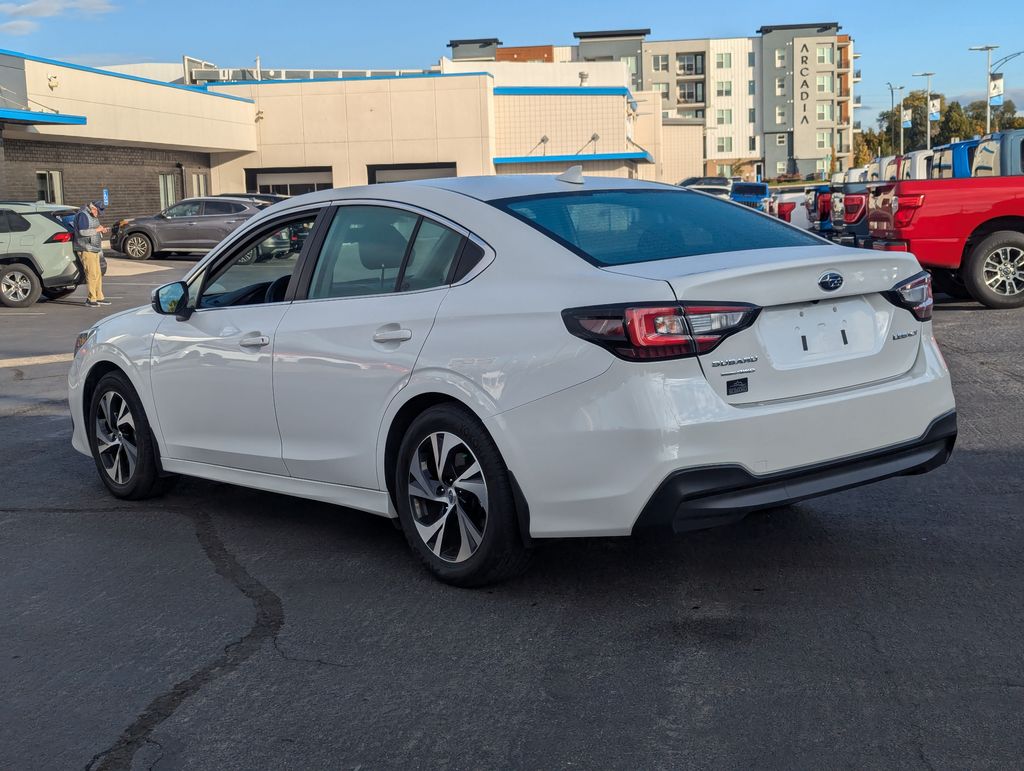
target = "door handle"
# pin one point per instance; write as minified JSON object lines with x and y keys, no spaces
{"x":255,"y":341}
{"x":392,"y":335}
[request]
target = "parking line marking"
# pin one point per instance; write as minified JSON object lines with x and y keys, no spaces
{"x":6,"y":314}
{"x":28,"y":361}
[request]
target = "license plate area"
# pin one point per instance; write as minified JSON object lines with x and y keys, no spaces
{"x":813,"y":333}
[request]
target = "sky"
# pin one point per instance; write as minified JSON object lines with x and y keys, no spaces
{"x":895,"y":40}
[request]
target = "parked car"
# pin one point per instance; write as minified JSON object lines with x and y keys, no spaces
{"x":36,"y":255}
{"x":494,"y":360}
{"x":719,"y":186}
{"x":191,"y":225}
{"x":968,"y":232}
{"x":916,"y":165}
{"x":788,"y":206}
{"x":753,"y":194}
{"x":953,"y":161}
{"x":1000,"y":155}
{"x":270,"y":198}
{"x":882,"y":169}
{"x":818,"y":201}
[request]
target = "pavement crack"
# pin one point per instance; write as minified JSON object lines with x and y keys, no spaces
{"x":268,"y":622}
{"x":324,"y":662}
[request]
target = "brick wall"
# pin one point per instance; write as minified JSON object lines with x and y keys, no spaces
{"x":130,"y":173}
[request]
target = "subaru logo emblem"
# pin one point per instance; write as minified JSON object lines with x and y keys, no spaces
{"x":830,"y":282}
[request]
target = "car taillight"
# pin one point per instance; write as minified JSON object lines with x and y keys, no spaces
{"x":786,"y":211}
{"x":62,"y":237}
{"x":824,"y":206}
{"x":644,"y":332}
{"x":903,"y":209}
{"x":914,"y":294}
{"x":853,"y":207}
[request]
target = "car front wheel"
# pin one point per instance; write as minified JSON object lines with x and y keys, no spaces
{"x":455,"y":500}
{"x":138,"y":246}
{"x":121,"y":441}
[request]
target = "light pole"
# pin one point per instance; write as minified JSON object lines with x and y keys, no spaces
{"x":988,"y":49}
{"x":892,"y":112}
{"x":927,"y":108}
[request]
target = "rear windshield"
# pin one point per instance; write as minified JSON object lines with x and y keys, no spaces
{"x":621,"y":227}
{"x":986,"y":159}
{"x":741,"y":188}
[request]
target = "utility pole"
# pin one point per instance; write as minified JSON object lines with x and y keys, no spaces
{"x":988,"y":49}
{"x":927,"y":108}
{"x":892,"y":112}
{"x":900,"y":89}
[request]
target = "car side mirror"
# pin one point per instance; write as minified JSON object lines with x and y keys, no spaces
{"x":172,"y":300}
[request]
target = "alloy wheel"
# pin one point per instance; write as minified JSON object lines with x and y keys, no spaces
{"x":136,"y":247}
{"x":1004,"y":270}
{"x":448,"y":497}
{"x":15,"y":286}
{"x":116,"y":442}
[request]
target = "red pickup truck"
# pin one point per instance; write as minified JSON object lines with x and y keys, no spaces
{"x":968,"y":232}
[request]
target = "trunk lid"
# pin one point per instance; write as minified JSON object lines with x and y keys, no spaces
{"x":805,"y":340}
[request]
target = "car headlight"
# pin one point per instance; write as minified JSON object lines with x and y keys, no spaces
{"x":83,"y":338}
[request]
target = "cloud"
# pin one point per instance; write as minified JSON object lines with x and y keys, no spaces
{"x":21,"y":16}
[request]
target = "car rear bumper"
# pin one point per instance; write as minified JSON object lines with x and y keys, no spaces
{"x":717,"y":495}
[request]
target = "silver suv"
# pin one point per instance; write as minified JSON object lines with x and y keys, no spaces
{"x":192,"y":225}
{"x":36,"y":257}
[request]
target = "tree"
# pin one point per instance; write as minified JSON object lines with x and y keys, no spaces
{"x":1004,"y":116}
{"x":914,"y":138}
{"x":954,"y":125}
{"x":862,"y":153}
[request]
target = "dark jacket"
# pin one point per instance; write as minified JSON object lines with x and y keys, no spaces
{"x":87,"y":235}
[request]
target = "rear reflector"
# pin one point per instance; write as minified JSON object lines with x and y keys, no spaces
{"x":63,"y":237}
{"x":648,"y":331}
{"x":853,"y":207}
{"x":914,"y":294}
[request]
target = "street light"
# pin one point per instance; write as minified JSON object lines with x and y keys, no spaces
{"x":927,"y":108}
{"x":988,"y":49}
{"x":898,"y":116}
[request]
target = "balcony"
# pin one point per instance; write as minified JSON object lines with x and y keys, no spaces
{"x":856,"y":101}
{"x":856,"y":76}
{"x":690,"y":101}
{"x":843,"y":63}
{"x":856,"y":125}
{"x":843,"y":41}
{"x":842,"y":93}
{"x":689,"y":71}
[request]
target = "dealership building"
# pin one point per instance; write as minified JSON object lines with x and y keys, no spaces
{"x":151,"y":134}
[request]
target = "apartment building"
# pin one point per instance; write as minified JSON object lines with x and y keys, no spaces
{"x":807,"y":98}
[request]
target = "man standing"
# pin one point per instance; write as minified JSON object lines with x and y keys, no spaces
{"x":89,"y":247}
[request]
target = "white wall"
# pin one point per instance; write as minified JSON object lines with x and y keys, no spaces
{"x":741,"y":129}
{"x":545,"y":73}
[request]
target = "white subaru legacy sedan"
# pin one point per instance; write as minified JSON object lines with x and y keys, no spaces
{"x":496,"y":360}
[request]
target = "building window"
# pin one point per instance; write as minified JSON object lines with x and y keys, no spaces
{"x":199,"y":184}
{"x":691,"y":93}
{"x":690,"y":64}
{"x":821,"y":165}
{"x":780,"y":114}
{"x":824,"y":83}
{"x":723,"y":61}
{"x":823,"y":139}
{"x":780,"y":140}
{"x":724,"y":144}
{"x":662,"y":88}
{"x":826,"y":54}
{"x":751,"y":88}
{"x":752,"y":144}
{"x":780,"y":167}
{"x":631,"y":65}
{"x":168,"y":190}
{"x":780,"y":57}
{"x":691,"y":114}
{"x":49,"y":186}
{"x":826,"y":111}
{"x":780,"y":86}
{"x":659,"y":63}
{"x":724,"y":169}
{"x":723,"y":88}
{"x":750,"y":58}
{"x":752,"y":115}
{"x":724,"y":117}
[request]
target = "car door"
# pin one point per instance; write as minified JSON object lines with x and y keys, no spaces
{"x":5,"y":233}
{"x":212,"y":372}
{"x":350,"y":345}
{"x":176,"y":228}
{"x":219,"y":219}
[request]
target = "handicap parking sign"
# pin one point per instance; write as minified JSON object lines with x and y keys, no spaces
{"x":106,"y":197}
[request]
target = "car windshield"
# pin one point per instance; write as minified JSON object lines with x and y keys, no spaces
{"x":621,"y":227}
{"x":749,"y":188}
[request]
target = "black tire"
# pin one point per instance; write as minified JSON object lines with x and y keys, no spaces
{"x":19,"y":285}
{"x":950,"y":283}
{"x":57,"y":294}
{"x":137,"y":246}
{"x":500,"y":553}
{"x":144,"y":479}
{"x":984,"y":265}
{"x":251,"y":256}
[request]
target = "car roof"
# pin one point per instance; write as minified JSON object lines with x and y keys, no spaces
{"x":36,"y":206}
{"x":515,"y":185}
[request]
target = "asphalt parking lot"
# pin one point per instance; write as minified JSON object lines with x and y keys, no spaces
{"x":224,"y":628}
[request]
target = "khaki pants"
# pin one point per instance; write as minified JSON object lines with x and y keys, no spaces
{"x":93,"y":276}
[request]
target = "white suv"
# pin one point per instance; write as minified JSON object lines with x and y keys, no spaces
{"x":495,"y":360}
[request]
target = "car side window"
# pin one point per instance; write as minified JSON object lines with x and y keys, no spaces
{"x":184,"y":209}
{"x":212,"y":208}
{"x":261,"y":270}
{"x":431,"y":258}
{"x":4,"y":227}
{"x":362,"y":252}
{"x":16,"y":223}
